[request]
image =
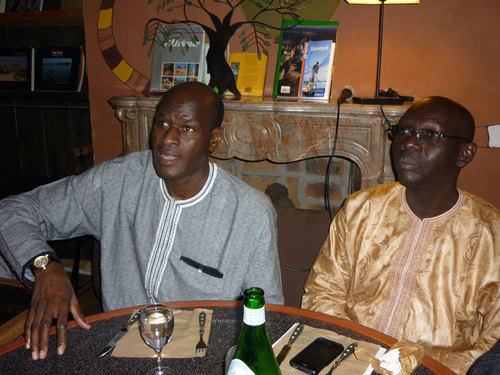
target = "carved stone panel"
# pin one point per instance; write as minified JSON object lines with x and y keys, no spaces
{"x":284,"y":132}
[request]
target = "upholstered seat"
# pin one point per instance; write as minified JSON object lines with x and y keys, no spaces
{"x":301,"y":234}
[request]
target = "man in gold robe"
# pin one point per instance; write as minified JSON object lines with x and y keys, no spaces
{"x":418,"y":259}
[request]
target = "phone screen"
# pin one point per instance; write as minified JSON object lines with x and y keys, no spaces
{"x":315,"y":356}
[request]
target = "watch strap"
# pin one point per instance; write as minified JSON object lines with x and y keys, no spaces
{"x":52,"y":257}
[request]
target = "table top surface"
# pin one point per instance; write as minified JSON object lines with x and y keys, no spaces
{"x":83,"y":346}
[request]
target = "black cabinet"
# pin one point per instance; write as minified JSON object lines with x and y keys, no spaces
{"x":43,"y":133}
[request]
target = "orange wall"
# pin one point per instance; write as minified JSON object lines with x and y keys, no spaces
{"x":446,"y":47}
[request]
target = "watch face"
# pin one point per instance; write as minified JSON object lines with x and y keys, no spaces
{"x":41,"y":262}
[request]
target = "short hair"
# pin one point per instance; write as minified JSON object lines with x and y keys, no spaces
{"x":213,"y":99}
{"x":455,"y":108}
{"x":469,"y":122}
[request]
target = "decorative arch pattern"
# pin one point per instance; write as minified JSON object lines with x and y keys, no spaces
{"x":111,"y":54}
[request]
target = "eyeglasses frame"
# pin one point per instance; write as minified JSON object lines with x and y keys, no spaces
{"x":418,"y":134}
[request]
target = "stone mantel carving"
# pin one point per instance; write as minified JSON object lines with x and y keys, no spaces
{"x":283,"y":131}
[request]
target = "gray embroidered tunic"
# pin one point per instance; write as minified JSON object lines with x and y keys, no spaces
{"x":153,"y":247}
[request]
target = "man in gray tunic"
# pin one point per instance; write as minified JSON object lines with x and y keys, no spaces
{"x":172,"y":226}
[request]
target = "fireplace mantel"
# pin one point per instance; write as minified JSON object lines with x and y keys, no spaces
{"x":283,"y":131}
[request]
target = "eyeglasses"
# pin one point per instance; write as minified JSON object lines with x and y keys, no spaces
{"x":424,"y":136}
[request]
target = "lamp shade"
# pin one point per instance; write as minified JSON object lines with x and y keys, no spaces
{"x":378,"y":2}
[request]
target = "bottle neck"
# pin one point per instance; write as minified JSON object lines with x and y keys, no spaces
{"x":254,"y":317}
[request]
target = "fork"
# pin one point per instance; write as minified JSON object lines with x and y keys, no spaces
{"x":346,"y":353}
{"x":201,"y":347}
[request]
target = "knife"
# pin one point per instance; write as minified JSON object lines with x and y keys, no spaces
{"x":284,"y":351}
{"x":112,"y":343}
{"x":346,"y":353}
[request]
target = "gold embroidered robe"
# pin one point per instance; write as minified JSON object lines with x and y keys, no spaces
{"x":434,"y":281}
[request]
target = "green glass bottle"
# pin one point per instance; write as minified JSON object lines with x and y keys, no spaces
{"x":254,"y":354}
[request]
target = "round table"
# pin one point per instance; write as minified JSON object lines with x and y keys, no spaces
{"x":83,"y":346}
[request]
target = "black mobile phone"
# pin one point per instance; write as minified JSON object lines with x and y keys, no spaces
{"x":315,"y":356}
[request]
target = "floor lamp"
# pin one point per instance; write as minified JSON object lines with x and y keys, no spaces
{"x":378,"y":99}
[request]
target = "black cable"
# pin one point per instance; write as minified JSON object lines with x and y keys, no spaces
{"x":332,"y":156}
{"x":385,"y":117}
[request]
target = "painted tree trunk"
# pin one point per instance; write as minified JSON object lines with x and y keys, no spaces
{"x":221,"y":75}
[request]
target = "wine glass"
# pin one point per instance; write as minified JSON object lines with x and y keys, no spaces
{"x":156,"y":326}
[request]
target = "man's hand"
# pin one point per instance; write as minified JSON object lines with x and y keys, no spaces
{"x":53,"y":298}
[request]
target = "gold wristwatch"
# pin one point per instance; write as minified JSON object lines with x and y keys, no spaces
{"x":42,"y":261}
